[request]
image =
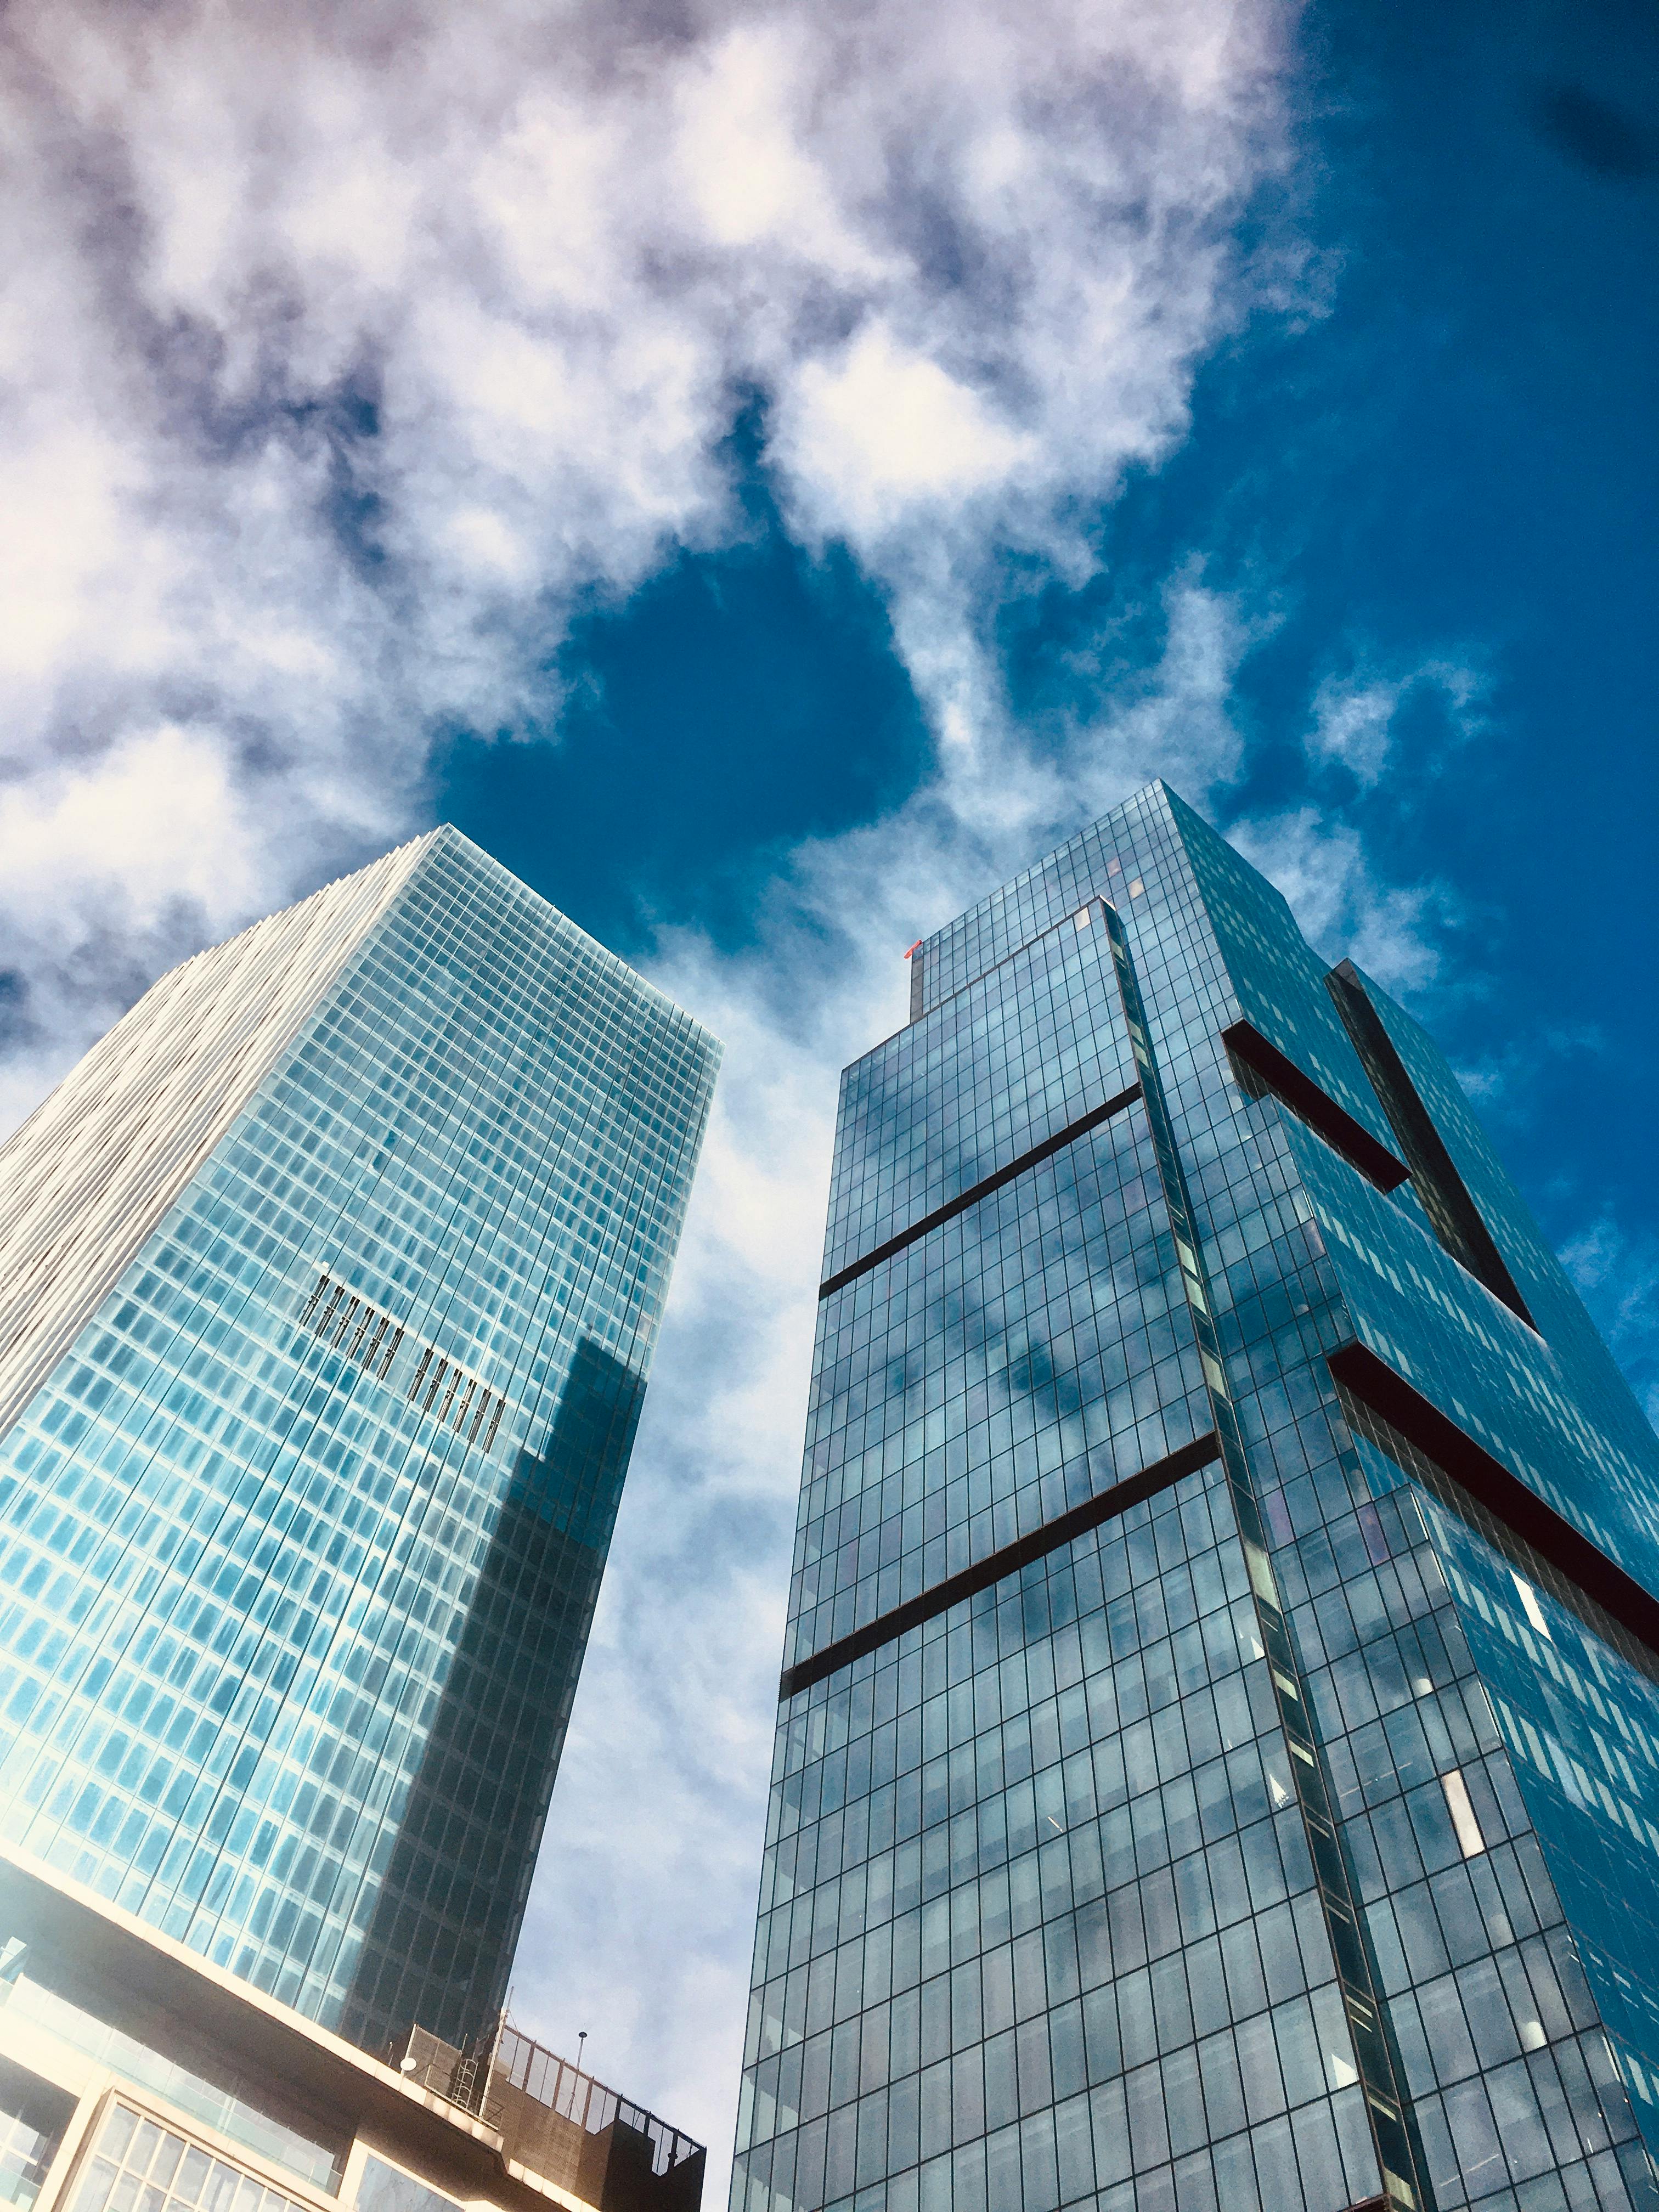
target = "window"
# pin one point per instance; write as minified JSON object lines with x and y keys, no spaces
{"x":139,"y":2159}
{"x":1470,"y":1841}
{"x":384,"y":2189}
{"x":1530,"y":1606}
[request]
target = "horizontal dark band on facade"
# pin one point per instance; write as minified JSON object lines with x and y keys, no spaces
{"x":975,"y":1191}
{"x":1076,"y":1521}
{"x":1503,"y":1495}
{"x":1526,"y":1561}
{"x":1315,"y":1107}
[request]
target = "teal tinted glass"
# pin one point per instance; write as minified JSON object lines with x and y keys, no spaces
{"x":1415,"y":1993}
{"x":303,"y":1534}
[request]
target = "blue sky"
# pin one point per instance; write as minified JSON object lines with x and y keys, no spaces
{"x":768,"y":474}
{"x":1432,"y":480}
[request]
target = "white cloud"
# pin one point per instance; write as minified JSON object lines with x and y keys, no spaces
{"x":1354,"y":717}
{"x":62,"y":514}
{"x":341,"y":353}
{"x":546,"y":258}
{"x":743,"y":150}
{"x":157,"y":813}
{"x":1617,"y":1275}
{"x":1354,"y":723}
{"x":1394,"y":931}
{"x":1176,"y":721}
{"x":883,"y":432}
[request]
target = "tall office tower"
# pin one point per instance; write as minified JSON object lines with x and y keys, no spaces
{"x":329,"y":1282}
{"x":1218,"y":1762}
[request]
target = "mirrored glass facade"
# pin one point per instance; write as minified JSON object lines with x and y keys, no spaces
{"x":353,"y":1237}
{"x":1216,"y":1743}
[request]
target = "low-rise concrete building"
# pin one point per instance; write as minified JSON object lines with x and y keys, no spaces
{"x":136,"y":2076}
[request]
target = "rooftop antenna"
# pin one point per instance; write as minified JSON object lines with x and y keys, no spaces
{"x":581,"y":2045}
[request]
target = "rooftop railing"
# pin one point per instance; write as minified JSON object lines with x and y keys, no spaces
{"x":554,"y":2081}
{"x":561,"y":2123}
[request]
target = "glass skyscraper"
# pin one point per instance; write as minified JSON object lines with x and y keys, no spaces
{"x":1217,"y":1759}
{"x":329,"y":1282}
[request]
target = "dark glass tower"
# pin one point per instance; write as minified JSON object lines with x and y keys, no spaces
{"x":1217,"y":1763}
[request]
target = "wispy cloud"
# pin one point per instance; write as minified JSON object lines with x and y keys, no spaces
{"x":1357,"y":717}
{"x":1507,"y":1079}
{"x":343,"y":355}
{"x":1617,"y":1275}
{"x":1396,"y":931}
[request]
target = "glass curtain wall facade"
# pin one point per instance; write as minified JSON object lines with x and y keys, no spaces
{"x":341,"y":1263}
{"x":1218,"y":1741}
